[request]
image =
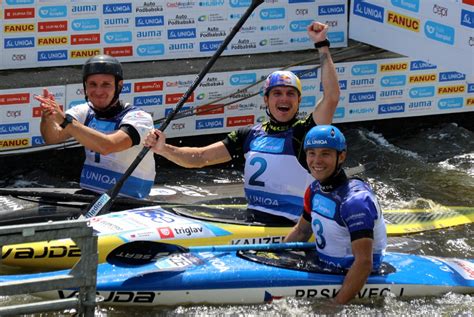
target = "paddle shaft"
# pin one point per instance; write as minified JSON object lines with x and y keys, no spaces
{"x":105,"y":200}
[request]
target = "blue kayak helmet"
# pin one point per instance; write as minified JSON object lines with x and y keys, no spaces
{"x":282,"y":78}
{"x":325,"y":136}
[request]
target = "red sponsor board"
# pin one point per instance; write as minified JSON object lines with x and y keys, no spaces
{"x":37,"y":111}
{"x":240,"y":121}
{"x":174,"y":98}
{"x":119,"y":51}
{"x":209,"y":109}
{"x":20,"y":13}
{"x":156,"y":85}
{"x":54,"y":26}
{"x":14,"y":99}
{"x":81,"y":39}
{"x":469,"y":2}
{"x":166,"y":233}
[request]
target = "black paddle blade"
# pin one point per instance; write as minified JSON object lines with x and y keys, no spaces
{"x":142,"y":252}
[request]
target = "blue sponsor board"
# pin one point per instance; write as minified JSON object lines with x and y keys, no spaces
{"x":14,"y":128}
{"x":467,"y":18}
{"x":52,"y":12}
{"x":37,"y":140}
{"x":118,"y":37}
{"x":362,"y":96}
{"x":305,"y":73}
{"x":20,"y":2}
{"x":211,"y":3}
{"x":331,"y":9}
{"x":19,"y":42}
{"x":127,"y":88}
{"x":450,"y":103}
{"x":209,"y":46}
{"x":85,"y":24}
{"x":392,"y":108}
{"x":339,"y":113}
{"x":336,"y":37}
{"x":393,"y":81}
{"x":150,"y":49}
{"x":300,"y":1}
{"x":267,"y":144}
{"x":240,"y":3}
{"x":364,"y":69}
{"x":299,"y":25}
{"x":144,"y":101}
{"x":451,"y":76}
{"x":56,"y":55}
{"x":439,"y":32}
{"x":470,"y":88}
{"x":308,"y":101}
{"x":272,"y":13}
{"x":117,"y":8}
{"x":368,"y":10}
{"x":243,"y":79}
{"x":411,"y":5}
{"x":189,"y":33}
{"x":422,"y":92}
{"x":420,"y":65}
{"x":209,"y":123}
{"x":157,"y":20}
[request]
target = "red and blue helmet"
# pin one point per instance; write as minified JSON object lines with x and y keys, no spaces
{"x":282,"y":78}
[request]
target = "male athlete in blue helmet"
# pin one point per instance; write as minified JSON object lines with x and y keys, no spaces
{"x":343,"y":213}
{"x":274,"y":172}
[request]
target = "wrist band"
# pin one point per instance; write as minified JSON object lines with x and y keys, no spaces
{"x":322,"y":44}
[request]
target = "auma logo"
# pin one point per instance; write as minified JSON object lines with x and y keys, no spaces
{"x":85,"y":24}
{"x":243,"y":79}
{"x":52,"y":12}
{"x":439,"y":32}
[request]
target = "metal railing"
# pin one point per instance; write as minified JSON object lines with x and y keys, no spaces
{"x":83,"y":276}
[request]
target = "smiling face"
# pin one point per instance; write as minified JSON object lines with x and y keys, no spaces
{"x":283,"y":103}
{"x":100,"y":89}
{"x":322,"y":162}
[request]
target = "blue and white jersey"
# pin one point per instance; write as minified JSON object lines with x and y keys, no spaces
{"x":101,"y":172}
{"x":336,"y":215}
{"x":275,"y":181}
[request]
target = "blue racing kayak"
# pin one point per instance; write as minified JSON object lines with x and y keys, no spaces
{"x":254,"y":274}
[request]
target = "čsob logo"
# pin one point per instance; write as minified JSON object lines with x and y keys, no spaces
{"x":422,"y":92}
{"x":85,"y":24}
{"x":240,"y":3}
{"x":392,"y":81}
{"x":52,"y":12}
{"x":369,"y":11}
{"x":439,"y":32}
{"x":209,"y":123}
{"x":243,"y":79}
{"x":117,"y":8}
{"x":118,"y":37}
{"x":450,"y":103}
{"x":274,"y":13}
{"x":411,"y":5}
{"x":340,"y":112}
{"x":58,"y":55}
{"x":331,"y":9}
{"x":336,"y":37}
{"x":209,"y":46}
{"x":149,"y":21}
{"x":299,"y":25}
{"x":143,"y":101}
{"x":364,"y":69}
{"x":307,"y":101}
{"x":150,"y":49}
{"x":419,"y":65}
